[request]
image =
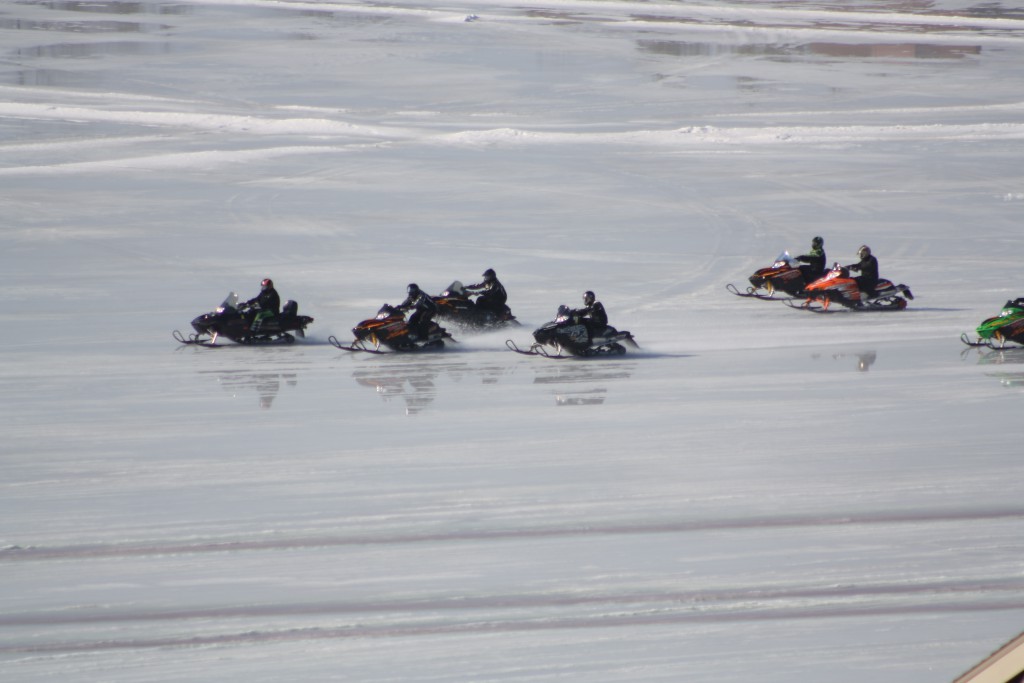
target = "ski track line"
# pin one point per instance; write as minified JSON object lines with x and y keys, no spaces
{"x":485,"y":627}
{"x":680,"y":599}
{"x":100,"y":551}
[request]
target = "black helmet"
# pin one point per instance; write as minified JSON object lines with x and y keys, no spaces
{"x":413,"y":288}
{"x":267,"y":283}
{"x":864,"y":251}
{"x":817,"y":242}
{"x":588,"y":297}
{"x":489,"y":274}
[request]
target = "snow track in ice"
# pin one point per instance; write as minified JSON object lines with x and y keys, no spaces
{"x":690,"y":137}
{"x":84,"y":552}
{"x":431,"y":615}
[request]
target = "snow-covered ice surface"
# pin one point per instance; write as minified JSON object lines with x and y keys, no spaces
{"x":757,"y":494}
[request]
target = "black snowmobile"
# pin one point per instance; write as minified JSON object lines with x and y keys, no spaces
{"x":239,"y":324}
{"x":389,"y":331}
{"x":575,"y":337}
{"x":455,"y":306}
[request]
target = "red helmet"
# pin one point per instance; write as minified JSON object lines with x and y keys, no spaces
{"x":267,"y":283}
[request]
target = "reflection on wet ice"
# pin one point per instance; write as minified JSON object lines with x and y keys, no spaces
{"x":1009,"y":379}
{"x":415,"y":382}
{"x":118,"y":7}
{"x":414,"y":385}
{"x":914,"y":50}
{"x":85,"y":50}
{"x":71,"y":49}
{"x":265,"y":384}
{"x":593,"y":397}
{"x":1007,"y":356}
{"x":581,"y":383}
{"x":103,"y":26}
{"x":864,"y":359}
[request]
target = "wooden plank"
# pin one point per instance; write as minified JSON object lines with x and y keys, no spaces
{"x":1003,"y":666}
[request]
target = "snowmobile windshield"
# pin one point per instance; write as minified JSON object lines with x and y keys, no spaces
{"x":455,"y":289}
{"x":230,"y":301}
{"x":386,"y":311}
{"x":783,"y":259}
{"x":837,"y":271}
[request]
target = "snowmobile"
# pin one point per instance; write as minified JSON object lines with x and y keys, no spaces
{"x":838,"y":286}
{"x":570,"y":334}
{"x":783,"y":275}
{"x":238,"y":323}
{"x":455,"y":305}
{"x":389,"y":330}
{"x":996,"y":331}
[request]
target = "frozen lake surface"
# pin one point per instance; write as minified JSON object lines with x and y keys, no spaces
{"x":757,"y":493}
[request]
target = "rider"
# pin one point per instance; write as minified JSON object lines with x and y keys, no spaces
{"x":592,"y":315}
{"x":492,"y":293}
{"x":267,"y":303}
{"x":425,"y":308}
{"x":868,"y":268}
{"x":815,"y":260}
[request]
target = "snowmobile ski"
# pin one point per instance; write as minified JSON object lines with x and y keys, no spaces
{"x":999,"y":344}
{"x":190,"y":339}
{"x":839,"y":308}
{"x":804,"y":305}
{"x":535,"y":350}
{"x":354,"y":347}
{"x":359,"y":346}
{"x":752,"y":293}
{"x":983,"y":343}
{"x":197,"y":340}
{"x":211,"y":343}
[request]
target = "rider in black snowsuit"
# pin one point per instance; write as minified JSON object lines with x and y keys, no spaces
{"x":423,"y":313}
{"x":592,"y":315}
{"x":815,"y":260}
{"x":868,"y":268}
{"x":492,"y":294}
{"x":267,"y":299}
{"x":267,"y":303}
